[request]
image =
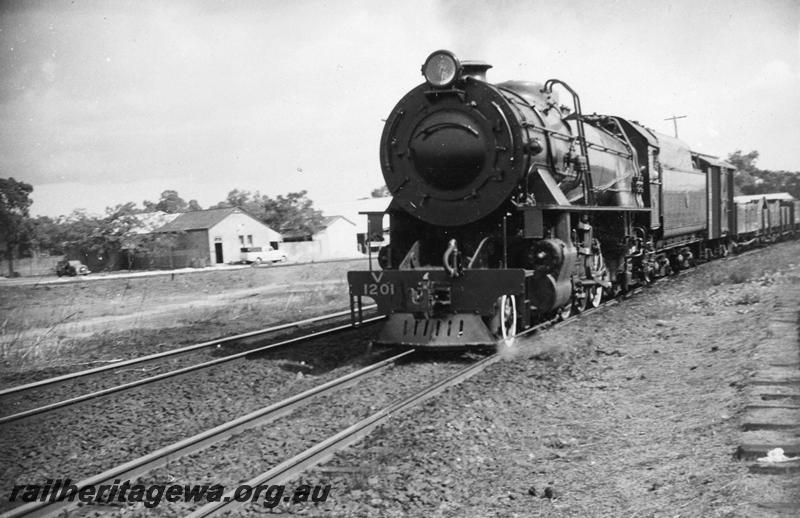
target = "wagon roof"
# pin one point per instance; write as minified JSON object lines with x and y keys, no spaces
{"x":747,"y":198}
{"x":715,"y":161}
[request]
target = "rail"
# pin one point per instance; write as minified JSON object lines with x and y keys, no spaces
{"x":324,"y":450}
{"x":173,"y":352}
{"x":144,"y":381}
{"x":136,"y":467}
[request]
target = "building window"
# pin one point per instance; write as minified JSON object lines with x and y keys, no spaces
{"x":249,"y":240}
{"x":241,"y":240}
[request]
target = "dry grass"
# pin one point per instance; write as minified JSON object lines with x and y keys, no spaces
{"x":633,"y":411}
{"x":48,"y":326}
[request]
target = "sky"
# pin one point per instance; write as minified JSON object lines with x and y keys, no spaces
{"x":105,"y":102}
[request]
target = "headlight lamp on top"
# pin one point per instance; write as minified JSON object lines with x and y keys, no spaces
{"x":441,"y":68}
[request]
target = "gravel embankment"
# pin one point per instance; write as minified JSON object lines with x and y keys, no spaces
{"x":257,"y":450}
{"x":78,"y":442}
{"x":632,"y":411}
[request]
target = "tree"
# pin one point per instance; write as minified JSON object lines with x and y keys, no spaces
{"x":241,"y":199}
{"x":290,"y":213}
{"x":744,"y":162}
{"x":170,"y":202}
{"x":246,"y":200}
{"x":114,"y":231}
{"x":193,"y":205}
{"x":749,"y":179}
{"x":47,"y":235}
{"x":745,"y":178}
{"x":99,"y":238}
{"x":15,"y":224}
{"x":75,"y":229}
{"x":293,"y":213}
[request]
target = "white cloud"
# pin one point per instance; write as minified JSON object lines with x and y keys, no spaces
{"x":207,"y":96}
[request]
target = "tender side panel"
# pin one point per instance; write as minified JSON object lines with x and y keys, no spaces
{"x":685,"y":203}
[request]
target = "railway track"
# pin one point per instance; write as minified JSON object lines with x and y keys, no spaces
{"x":134,"y":468}
{"x":324,"y":450}
{"x":298,"y":463}
{"x":22,"y":390}
{"x":141,"y":465}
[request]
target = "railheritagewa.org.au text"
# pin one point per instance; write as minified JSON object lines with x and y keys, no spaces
{"x":152,"y":495}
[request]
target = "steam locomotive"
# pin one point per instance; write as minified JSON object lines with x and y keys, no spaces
{"x":510,"y":207}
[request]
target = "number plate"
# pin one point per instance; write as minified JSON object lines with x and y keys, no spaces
{"x":375,"y":288}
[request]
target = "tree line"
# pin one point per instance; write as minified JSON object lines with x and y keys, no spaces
{"x":749,"y":179}
{"x":121,"y":226}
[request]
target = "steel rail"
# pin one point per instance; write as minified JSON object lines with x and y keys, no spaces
{"x":173,"y":352}
{"x":136,"y":467}
{"x":324,"y":450}
{"x":177,"y":372}
{"x":290,"y":468}
{"x":189,"y":348}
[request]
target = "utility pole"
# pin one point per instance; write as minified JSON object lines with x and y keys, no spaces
{"x":674,"y":120}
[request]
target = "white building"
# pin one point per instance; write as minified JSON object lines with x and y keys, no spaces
{"x":352,"y":210}
{"x":336,"y":240}
{"x":216,"y":236}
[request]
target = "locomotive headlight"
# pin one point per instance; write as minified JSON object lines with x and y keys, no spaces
{"x":441,"y":68}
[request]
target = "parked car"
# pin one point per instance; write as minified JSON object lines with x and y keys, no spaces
{"x":262,"y":254}
{"x":71,"y":268}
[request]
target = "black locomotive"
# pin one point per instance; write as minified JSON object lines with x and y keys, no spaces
{"x":510,"y":207}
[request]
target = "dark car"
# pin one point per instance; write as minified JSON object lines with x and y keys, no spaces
{"x":71,"y":268}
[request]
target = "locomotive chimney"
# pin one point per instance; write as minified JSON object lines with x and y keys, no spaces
{"x":474,"y":69}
